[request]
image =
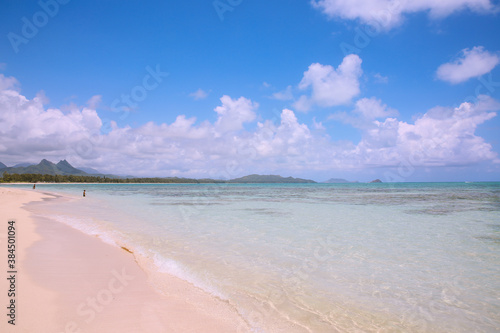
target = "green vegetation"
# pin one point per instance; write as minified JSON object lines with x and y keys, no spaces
{"x":38,"y":178}
{"x":63,"y":172}
{"x":260,"y":179}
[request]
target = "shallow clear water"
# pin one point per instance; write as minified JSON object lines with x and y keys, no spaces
{"x":326,"y":257}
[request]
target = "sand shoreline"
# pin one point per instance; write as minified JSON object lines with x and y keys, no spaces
{"x":69,"y":281}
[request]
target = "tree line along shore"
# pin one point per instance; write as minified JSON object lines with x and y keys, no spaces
{"x":38,"y":178}
{"x":47,"y":178}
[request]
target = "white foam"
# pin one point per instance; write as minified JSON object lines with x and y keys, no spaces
{"x":161,"y":264}
{"x":172,"y":267}
{"x":87,"y":226}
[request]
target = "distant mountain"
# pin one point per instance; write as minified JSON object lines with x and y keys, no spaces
{"x":46,"y":168}
{"x":269,"y":179}
{"x":338,"y":181}
{"x":68,"y":169}
{"x":2,"y":166}
{"x":89,"y":170}
{"x":23,"y":165}
{"x":376,"y":181}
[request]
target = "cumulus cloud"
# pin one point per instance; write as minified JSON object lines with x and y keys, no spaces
{"x":365,"y":111}
{"x":236,"y":143}
{"x":8,"y":83}
{"x":386,"y":14}
{"x":371,"y":108}
{"x":318,"y":125}
{"x":234,"y":113}
{"x":94,"y":101}
{"x":199,"y":94}
{"x":471,"y":63}
{"x":26,"y":127}
{"x":330,"y":86}
{"x":442,"y":136}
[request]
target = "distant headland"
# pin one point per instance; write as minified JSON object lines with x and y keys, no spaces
{"x":64,"y":172}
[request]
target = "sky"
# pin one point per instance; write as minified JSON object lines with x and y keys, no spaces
{"x":399,"y":90}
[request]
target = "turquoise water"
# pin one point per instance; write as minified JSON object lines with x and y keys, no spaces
{"x":410,"y":257}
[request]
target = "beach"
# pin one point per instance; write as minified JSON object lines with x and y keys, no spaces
{"x":315,"y":166}
{"x":406,"y":257}
{"x":67,"y":281}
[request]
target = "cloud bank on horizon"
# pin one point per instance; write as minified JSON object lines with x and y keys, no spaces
{"x":442,"y":136}
{"x":237,"y":136}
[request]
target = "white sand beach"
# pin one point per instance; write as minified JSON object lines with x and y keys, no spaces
{"x":68,"y":281}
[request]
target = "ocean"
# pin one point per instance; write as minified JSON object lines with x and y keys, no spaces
{"x":405,"y":257}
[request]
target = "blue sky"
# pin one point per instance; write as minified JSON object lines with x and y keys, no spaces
{"x":396,"y":90}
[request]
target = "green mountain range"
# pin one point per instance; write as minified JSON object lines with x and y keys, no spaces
{"x":269,"y":179}
{"x":63,"y":168}
{"x":45,"y":168}
{"x":338,"y":181}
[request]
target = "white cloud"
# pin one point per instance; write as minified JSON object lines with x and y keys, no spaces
{"x":318,"y":125}
{"x":234,"y":113}
{"x":8,"y":83}
{"x":303,"y":103}
{"x":380,"y":78}
{"x":226,"y":148}
{"x":285,"y":95}
{"x":386,"y":14}
{"x":199,"y":94}
{"x":288,"y":143}
{"x":382,"y":135}
{"x":94,"y":101}
{"x":471,"y":63}
{"x":371,"y":108}
{"x":330,"y":86}
{"x":442,"y":136}
{"x":365,"y":111}
{"x":27,"y":128}
{"x":454,"y":135}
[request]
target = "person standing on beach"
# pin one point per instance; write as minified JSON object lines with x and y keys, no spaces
{"x":34,"y":185}
{"x":84,"y":193}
